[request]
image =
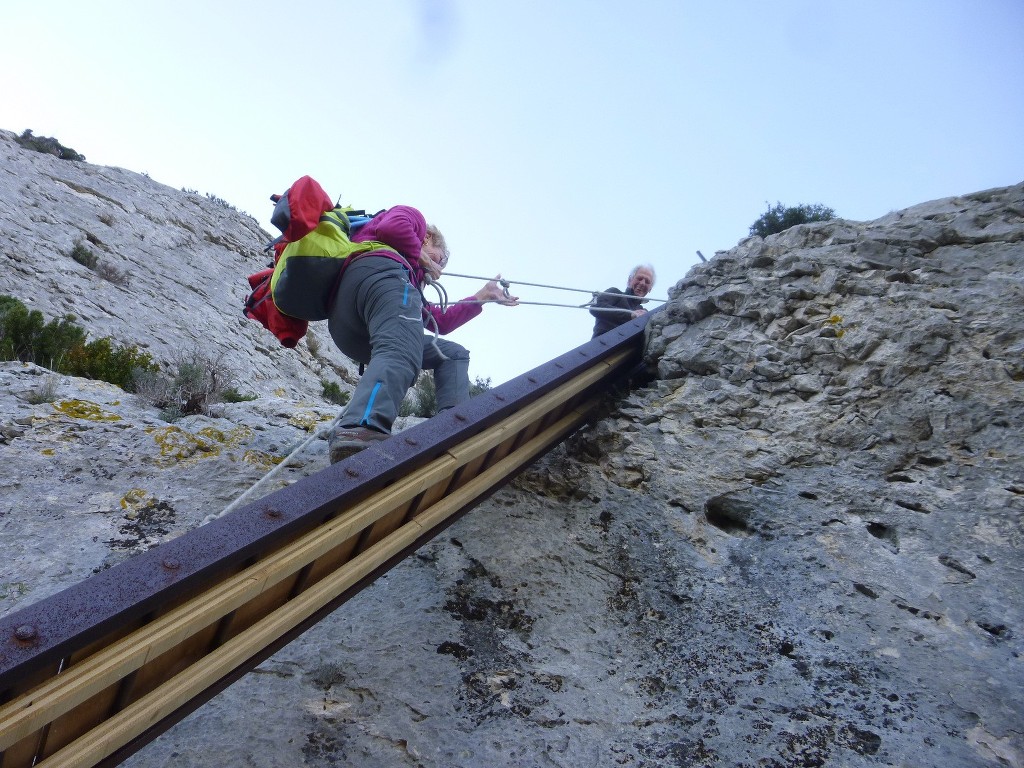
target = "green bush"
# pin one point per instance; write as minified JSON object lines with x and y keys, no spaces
{"x":778,"y":218}
{"x":84,"y":255}
{"x":232,"y":395}
{"x":61,"y":346}
{"x":25,"y":335}
{"x":48,"y":145}
{"x":101,"y":360}
{"x":335,"y":394}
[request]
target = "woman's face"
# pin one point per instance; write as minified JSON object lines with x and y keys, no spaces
{"x":432,"y":259}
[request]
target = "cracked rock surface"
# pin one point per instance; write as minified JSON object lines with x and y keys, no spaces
{"x":798,"y":544}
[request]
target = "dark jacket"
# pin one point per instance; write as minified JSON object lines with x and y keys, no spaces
{"x":613,"y":308}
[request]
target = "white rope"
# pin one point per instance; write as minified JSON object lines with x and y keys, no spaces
{"x":595,"y":294}
{"x":284,"y":463}
{"x":587,"y":306}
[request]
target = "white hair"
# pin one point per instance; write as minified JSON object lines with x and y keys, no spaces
{"x":637,"y":268}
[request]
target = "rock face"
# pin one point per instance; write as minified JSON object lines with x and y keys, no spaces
{"x":799,"y":545}
{"x":184,"y":258}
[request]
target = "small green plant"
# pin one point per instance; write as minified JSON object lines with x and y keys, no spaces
{"x":84,"y":255}
{"x":421,"y":400}
{"x":479,"y":386}
{"x":171,"y":414}
{"x":220,"y":201}
{"x":197,"y":382}
{"x":13,"y":589}
{"x":313,"y":344}
{"x":232,"y":395}
{"x":45,"y":393}
{"x":778,"y":218}
{"x":112,"y":274}
{"x":335,"y":394}
{"x":48,"y":145}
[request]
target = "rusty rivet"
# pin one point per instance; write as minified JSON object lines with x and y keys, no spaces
{"x":351,"y":472}
{"x":25,"y":633}
{"x":411,"y":441}
{"x":170,"y":564}
{"x":559,"y":365}
{"x":531,"y":379}
{"x":274,"y":512}
{"x":500,"y":398}
{"x":460,"y":416}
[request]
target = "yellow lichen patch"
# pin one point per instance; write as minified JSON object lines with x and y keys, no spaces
{"x":137,"y":498}
{"x":48,"y":452}
{"x":280,"y":392}
{"x":211,"y":433}
{"x":83,"y":409}
{"x":177,"y":445}
{"x":261,"y":459}
{"x":836,"y":321}
{"x":307,"y":421}
{"x":231,"y":439}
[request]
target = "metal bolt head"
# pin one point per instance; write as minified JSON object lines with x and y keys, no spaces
{"x":25,"y":633}
{"x":170,"y":564}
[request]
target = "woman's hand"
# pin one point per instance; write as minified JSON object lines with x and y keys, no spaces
{"x":494,"y":292}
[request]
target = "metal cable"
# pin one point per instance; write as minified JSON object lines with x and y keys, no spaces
{"x":504,"y":281}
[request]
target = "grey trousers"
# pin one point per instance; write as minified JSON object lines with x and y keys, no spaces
{"x":377,"y":320}
{"x":450,"y":364}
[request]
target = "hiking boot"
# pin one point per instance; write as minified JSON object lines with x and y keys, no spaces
{"x":347,"y":441}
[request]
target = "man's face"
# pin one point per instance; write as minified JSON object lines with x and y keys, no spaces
{"x":642,"y":282}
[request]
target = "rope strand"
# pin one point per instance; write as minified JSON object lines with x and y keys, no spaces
{"x":504,"y":280}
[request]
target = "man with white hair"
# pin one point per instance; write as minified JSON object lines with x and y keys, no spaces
{"x":614,"y":307}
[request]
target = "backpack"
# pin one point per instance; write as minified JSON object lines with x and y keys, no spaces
{"x":300,"y":284}
{"x":312,"y":252}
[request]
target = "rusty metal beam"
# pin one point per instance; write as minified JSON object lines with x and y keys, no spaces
{"x":457,"y":458}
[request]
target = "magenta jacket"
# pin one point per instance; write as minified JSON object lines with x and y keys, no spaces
{"x":403,"y":228}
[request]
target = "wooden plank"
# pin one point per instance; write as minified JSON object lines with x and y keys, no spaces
{"x":33,"y":710}
{"x":454,"y":501}
{"x":525,"y":416}
{"x":126,"y":725}
{"x":382,"y":516}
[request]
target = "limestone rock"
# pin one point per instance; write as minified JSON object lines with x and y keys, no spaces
{"x":183,"y":257}
{"x":799,"y":544}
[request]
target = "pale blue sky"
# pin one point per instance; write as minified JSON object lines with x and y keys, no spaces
{"x":556,"y":142}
